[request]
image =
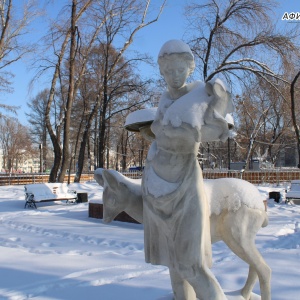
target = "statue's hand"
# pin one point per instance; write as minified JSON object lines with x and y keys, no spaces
{"x":215,"y":125}
{"x":221,"y":104}
{"x":147,"y":133}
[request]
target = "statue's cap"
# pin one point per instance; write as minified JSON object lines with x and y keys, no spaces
{"x":175,"y":46}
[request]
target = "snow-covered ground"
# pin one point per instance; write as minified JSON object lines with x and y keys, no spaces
{"x":58,"y":252}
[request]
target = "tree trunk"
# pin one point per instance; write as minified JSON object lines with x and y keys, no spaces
{"x":101,"y":146}
{"x":84,"y":141}
{"x":124,"y":150}
{"x":45,"y":148}
{"x":55,"y":137}
{"x":117,"y":159}
{"x":293,"y":110}
{"x":56,"y":162}
{"x":107,"y":144}
{"x":81,"y":155}
{"x":70,"y":98}
{"x":102,"y":122}
{"x":249,"y":154}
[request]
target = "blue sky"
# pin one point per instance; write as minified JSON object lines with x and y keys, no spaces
{"x":171,"y":25}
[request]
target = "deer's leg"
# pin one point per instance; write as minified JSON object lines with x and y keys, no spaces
{"x":250,"y":282}
{"x":182,"y":290}
{"x":256,"y":261}
{"x":238,"y":232}
{"x":206,"y":285}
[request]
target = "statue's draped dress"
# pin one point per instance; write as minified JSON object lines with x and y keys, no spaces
{"x":176,"y":212}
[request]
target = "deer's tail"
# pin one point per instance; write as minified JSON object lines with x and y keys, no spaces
{"x":266,"y":220}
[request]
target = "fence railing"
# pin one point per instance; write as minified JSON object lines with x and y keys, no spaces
{"x":28,"y":178}
{"x":255,"y":177}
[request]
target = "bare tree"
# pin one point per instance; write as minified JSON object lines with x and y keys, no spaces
{"x":263,"y":121}
{"x":37,"y":121}
{"x":253,"y":109}
{"x":60,"y":40}
{"x":14,"y":24}
{"x":72,"y":43}
{"x":239,"y":41}
{"x":70,"y":94}
{"x":131,"y":18}
{"x":15,"y":142}
{"x":234,"y":38}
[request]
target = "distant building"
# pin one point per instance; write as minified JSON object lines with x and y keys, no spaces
{"x":30,"y":165}
{"x":27,"y":164}
{"x":254,"y":165}
{"x":288,"y":157}
{"x":1,"y":159}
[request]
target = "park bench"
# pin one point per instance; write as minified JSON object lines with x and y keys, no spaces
{"x":293,"y":195}
{"x":45,"y":192}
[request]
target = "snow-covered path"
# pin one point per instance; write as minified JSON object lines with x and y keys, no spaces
{"x":57,"y":252}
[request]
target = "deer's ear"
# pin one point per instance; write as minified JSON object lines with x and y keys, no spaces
{"x":219,"y":89}
{"x":230,"y":103}
{"x":123,"y":187}
{"x":110,"y":180}
{"x":209,"y":88}
{"x":98,"y":176}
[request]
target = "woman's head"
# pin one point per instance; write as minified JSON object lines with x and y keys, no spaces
{"x":175,"y":57}
{"x":175,"y":46}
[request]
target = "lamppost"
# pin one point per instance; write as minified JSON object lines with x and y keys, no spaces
{"x":232,"y":134}
{"x":229,"y":158}
{"x":41,"y":157}
{"x":141,"y":159}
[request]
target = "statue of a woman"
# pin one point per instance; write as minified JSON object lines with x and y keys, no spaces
{"x":176,"y":214}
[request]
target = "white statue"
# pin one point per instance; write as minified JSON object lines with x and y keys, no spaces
{"x":230,"y":201}
{"x":175,"y":208}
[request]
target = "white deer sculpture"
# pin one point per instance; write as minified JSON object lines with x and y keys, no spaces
{"x":237,"y":213}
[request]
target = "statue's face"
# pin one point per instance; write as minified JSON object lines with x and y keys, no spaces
{"x":175,"y":71}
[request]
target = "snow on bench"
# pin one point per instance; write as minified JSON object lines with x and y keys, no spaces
{"x":293,"y":195}
{"x":44,"y":192}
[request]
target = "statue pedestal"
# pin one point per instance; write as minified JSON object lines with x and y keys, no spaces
{"x":234,"y":295}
